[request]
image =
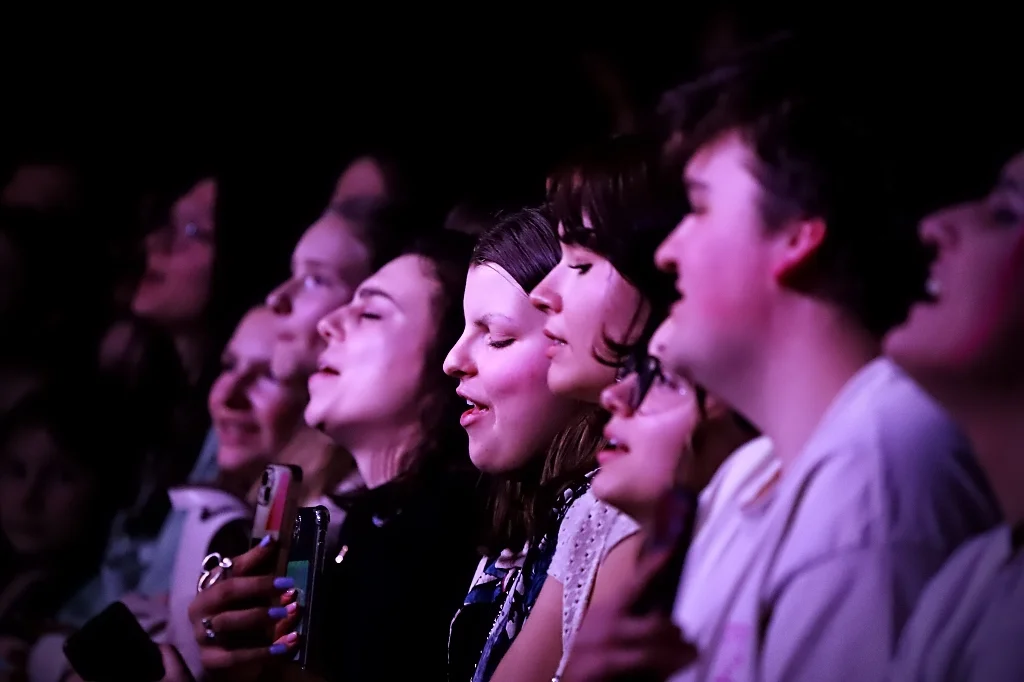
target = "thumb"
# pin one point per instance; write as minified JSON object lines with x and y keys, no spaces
{"x":175,"y":669}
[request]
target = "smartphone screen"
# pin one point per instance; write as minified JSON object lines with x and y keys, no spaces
{"x":299,"y":572}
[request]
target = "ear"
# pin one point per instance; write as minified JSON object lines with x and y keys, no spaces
{"x":797,"y":245}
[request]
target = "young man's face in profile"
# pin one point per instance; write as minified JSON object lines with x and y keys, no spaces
{"x":721,"y":256}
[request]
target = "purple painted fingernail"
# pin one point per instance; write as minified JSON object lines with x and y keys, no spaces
{"x":283,"y":583}
{"x":265,"y":542}
{"x":278,"y":649}
{"x":278,"y":612}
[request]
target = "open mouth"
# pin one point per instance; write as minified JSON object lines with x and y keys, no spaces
{"x":233,"y":431}
{"x":476,"y":410}
{"x":327,"y":370}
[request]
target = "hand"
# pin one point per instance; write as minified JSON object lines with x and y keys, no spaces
{"x":238,"y":612}
{"x":175,"y":669}
{"x":613,"y":643}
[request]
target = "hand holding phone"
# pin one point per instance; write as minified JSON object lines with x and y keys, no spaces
{"x":305,"y":566}
{"x":236,"y":609}
{"x":276,"y":506}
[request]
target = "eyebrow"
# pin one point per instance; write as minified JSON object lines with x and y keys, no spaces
{"x":312,"y":264}
{"x":490,"y":318}
{"x":373,"y":292}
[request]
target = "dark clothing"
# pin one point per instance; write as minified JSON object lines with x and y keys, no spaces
{"x":406,"y":555}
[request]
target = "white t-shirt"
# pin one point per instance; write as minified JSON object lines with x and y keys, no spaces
{"x":969,"y":624}
{"x":813,"y":580}
{"x":590,"y":530}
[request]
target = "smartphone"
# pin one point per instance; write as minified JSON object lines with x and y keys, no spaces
{"x":113,"y":647}
{"x":276,"y":502}
{"x":673,"y":526}
{"x":305,"y":566}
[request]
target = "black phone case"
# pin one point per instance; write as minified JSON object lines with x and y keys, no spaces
{"x":310,"y":541}
{"x":113,"y":647}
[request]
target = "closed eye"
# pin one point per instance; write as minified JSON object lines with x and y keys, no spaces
{"x":501,"y":343}
{"x":582,"y":268}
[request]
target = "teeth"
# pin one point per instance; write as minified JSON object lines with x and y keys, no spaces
{"x":932,"y":287}
{"x":470,"y":403}
{"x":613,"y":444}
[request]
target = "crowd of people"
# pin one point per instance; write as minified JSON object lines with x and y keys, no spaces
{"x":740,"y":305}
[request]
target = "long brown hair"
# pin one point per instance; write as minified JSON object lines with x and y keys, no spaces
{"x":525,"y":245}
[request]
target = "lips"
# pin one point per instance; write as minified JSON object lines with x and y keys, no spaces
{"x":613,"y":449}
{"x":235,"y":431}
{"x":554,"y":337}
{"x":476,"y":411}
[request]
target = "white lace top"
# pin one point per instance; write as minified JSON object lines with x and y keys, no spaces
{"x":591,"y":529}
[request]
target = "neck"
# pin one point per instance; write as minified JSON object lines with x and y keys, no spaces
{"x":994,"y":425}
{"x":379,"y":453}
{"x":812,"y":356}
{"x":191,"y":347}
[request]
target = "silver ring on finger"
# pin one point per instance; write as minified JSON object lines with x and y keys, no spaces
{"x":207,"y":624}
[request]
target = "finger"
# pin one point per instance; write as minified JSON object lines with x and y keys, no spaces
{"x":288,"y":596}
{"x":175,"y":669}
{"x":218,"y":658}
{"x":250,"y":621}
{"x":638,"y":630}
{"x":285,"y":627}
{"x":256,"y":560}
{"x":223,"y":594}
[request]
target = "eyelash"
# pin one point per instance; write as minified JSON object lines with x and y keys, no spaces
{"x":504,"y":343}
{"x":582,"y":268}
{"x":369,"y":316}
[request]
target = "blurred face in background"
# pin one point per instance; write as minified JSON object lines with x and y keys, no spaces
{"x":969,"y":334}
{"x":175,"y":288}
{"x":328,"y":264}
{"x":47,"y":498}
{"x":253,"y":413}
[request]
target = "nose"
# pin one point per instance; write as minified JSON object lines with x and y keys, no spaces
{"x":279,"y":300}
{"x":236,"y":396}
{"x":616,"y":398}
{"x":330,"y":325}
{"x":940,"y":228}
{"x":458,"y":364}
{"x":544,"y":297}
{"x":665,"y":256}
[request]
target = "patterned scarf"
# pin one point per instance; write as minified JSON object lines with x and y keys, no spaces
{"x":514,"y":580}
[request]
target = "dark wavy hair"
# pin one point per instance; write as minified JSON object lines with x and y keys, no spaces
{"x":525,"y":245}
{"x":621,"y":199}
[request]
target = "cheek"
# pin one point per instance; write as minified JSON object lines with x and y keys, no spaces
{"x":276,"y":415}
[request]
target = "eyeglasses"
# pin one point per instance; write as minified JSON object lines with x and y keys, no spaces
{"x":649,"y":375}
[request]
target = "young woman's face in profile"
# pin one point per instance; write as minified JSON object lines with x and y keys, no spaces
{"x":179,"y":261}
{"x":972,"y":328}
{"x":328,"y":264}
{"x":370,"y":372}
{"x":502,"y":366}
{"x":46,"y":496}
{"x":648,"y":434}
{"x":253,"y":412}
{"x":587,"y":301}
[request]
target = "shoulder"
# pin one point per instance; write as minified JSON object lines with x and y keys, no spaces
{"x":891,"y":468}
{"x":591,"y":529}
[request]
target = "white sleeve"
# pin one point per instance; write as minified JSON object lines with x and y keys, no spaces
{"x":840,"y":618}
